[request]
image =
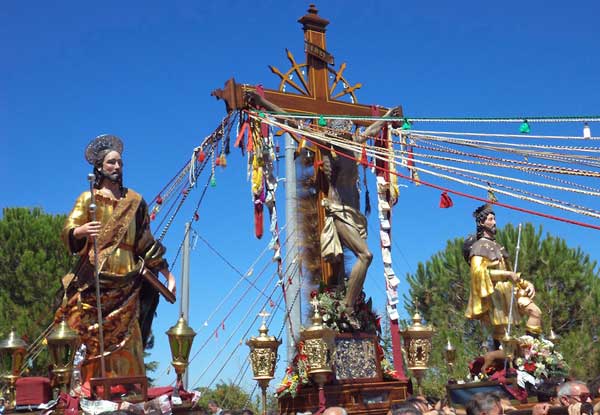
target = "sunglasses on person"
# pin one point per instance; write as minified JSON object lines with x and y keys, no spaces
{"x":582,"y":397}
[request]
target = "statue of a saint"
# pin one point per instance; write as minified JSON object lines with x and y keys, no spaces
{"x":493,"y":283}
{"x":125,"y":248}
{"x":345,"y":225}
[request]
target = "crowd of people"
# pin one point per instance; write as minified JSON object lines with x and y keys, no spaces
{"x":554,"y":397}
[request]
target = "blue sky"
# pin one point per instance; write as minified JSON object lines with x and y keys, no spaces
{"x":144,"y":70}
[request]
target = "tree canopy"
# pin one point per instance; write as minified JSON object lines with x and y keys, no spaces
{"x":32,"y":262}
{"x":567,"y":291}
{"x":233,"y":397}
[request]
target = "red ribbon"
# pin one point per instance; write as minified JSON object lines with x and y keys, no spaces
{"x":243,"y":130}
{"x":363,"y":157}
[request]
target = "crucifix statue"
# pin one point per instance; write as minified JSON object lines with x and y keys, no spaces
{"x":318,"y":88}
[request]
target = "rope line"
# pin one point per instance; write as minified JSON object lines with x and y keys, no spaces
{"x":551,"y":119}
{"x":318,"y":143}
{"x":530,"y":170}
{"x":237,"y":328}
{"x":521,"y":136}
{"x":231,"y":310}
{"x":491,"y":186}
{"x":382,"y":155}
{"x":251,"y":325}
{"x":230,"y":265}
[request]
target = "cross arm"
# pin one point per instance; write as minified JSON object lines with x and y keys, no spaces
{"x":233,"y":95}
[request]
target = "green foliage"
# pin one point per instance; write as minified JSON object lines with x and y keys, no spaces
{"x":32,"y":262}
{"x":568,"y":293}
{"x":150,"y":366}
{"x":231,"y":396}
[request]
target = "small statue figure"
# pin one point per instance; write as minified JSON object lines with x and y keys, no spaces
{"x":492,"y":282}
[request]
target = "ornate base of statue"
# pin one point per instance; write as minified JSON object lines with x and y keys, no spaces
{"x":371,"y":398}
{"x":357,"y":381}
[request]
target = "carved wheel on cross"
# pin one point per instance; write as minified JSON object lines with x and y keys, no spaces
{"x":339,"y":87}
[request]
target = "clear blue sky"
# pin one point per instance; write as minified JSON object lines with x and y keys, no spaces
{"x":144,"y":70}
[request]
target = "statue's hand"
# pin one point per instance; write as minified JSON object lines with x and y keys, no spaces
{"x":529,"y":289}
{"x":88,"y":229}
{"x":514,"y":276}
{"x":395,"y":112}
{"x":252,"y":99}
{"x":171,"y":284}
{"x":170,"y":280}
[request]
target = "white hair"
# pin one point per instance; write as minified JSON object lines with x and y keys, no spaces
{"x":335,"y":410}
{"x":566,"y":388}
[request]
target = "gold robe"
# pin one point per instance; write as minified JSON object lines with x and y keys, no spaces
{"x":489,"y":301}
{"x":119,"y":263}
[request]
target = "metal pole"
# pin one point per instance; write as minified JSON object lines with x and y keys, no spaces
{"x":515,"y":268}
{"x":293,"y":294}
{"x":91,"y":179}
{"x":185,"y":285}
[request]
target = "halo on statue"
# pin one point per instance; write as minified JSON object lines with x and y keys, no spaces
{"x":101,"y":143}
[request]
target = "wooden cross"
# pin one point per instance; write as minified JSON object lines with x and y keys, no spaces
{"x":315,"y":94}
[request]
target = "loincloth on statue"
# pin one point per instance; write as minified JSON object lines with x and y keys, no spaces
{"x":331,"y":246}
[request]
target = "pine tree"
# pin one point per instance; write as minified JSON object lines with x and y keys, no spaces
{"x":567,"y":291}
{"x":228,"y":396}
{"x":33,"y":259}
{"x":32,"y":262}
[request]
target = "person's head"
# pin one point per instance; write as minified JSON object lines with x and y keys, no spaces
{"x":547,"y":391}
{"x":485,"y":219}
{"x":404,"y":409}
{"x":104,"y":154}
{"x":247,"y":411}
{"x":594,"y":387}
{"x":573,"y":392}
{"x":213,"y":407}
{"x":418,"y":402}
{"x":335,"y":410}
{"x":484,"y":404}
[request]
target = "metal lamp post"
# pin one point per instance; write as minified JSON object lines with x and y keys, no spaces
{"x":181,"y":337}
{"x":12,"y":352}
{"x":554,"y":338}
{"x":509,"y":346}
{"x":62,"y":345}
{"x":319,"y":348}
{"x":450,"y":356}
{"x":263,"y":356}
{"x":417,"y":343}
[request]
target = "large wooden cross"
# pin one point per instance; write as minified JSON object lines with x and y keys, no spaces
{"x":318,"y":87}
{"x":318,"y":84}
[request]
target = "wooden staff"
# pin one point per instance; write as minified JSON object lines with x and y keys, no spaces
{"x":92,"y":179}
